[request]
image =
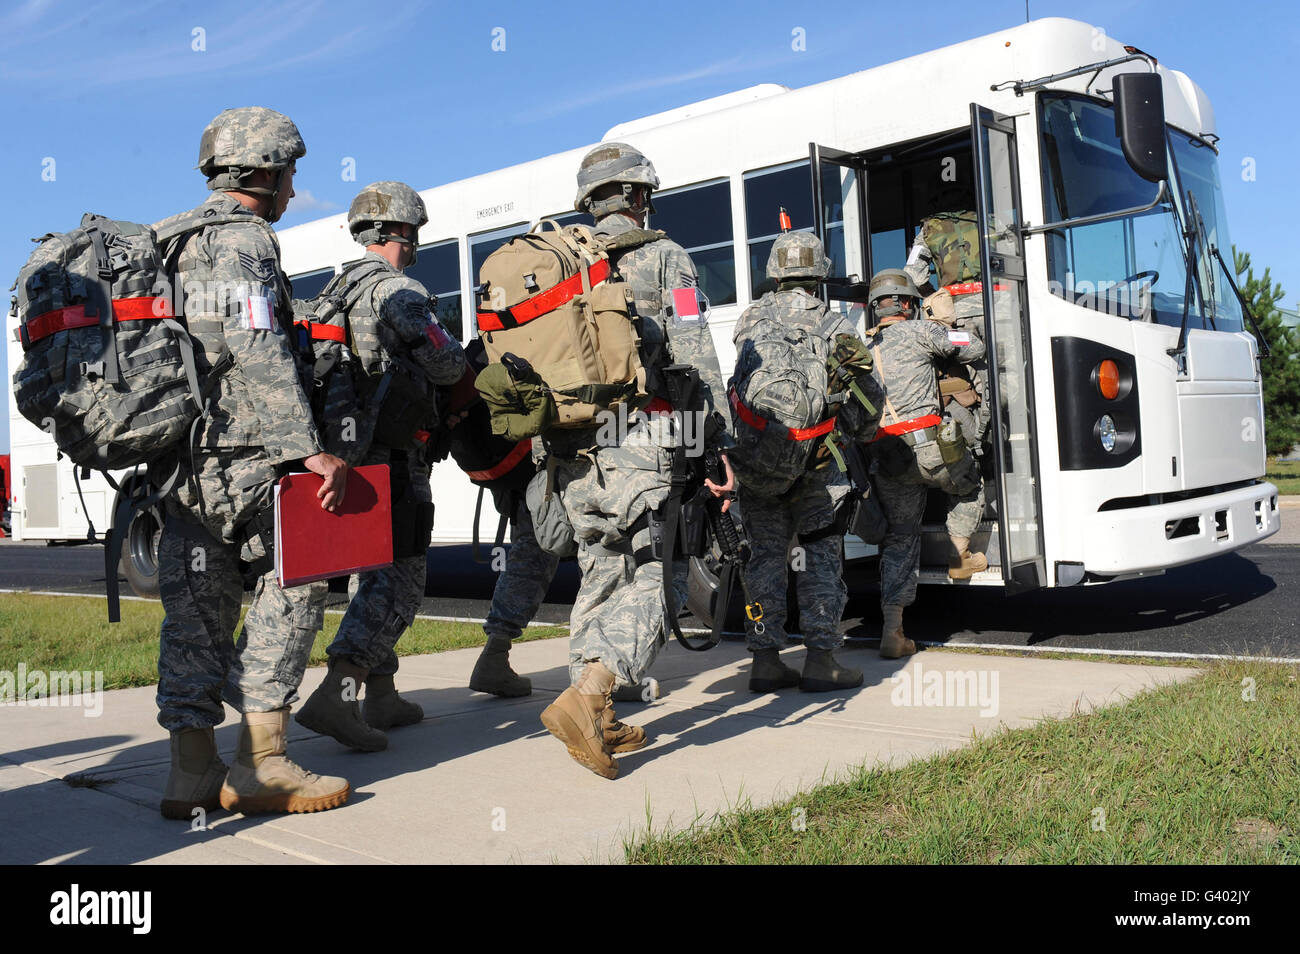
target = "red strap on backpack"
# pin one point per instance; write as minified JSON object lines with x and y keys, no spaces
{"x":543,"y":302}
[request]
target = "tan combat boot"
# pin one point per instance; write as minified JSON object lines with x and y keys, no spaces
{"x":383,"y":708}
{"x":492,"y":672}
{"x":768,"y":673}
{"x":196,"y":774}
{"x":333,"y":710}
{"x":822,"y":672}
{"x":893,"y":644}
{"x":575,"y":719}
{"x":263,"y":779}
{"x":619,"y":736}
{"x":965,"y":564}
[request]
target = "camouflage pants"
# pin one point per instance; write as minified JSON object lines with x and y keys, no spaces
{"x":382,"y":603}
{"x":772,"y":521}
{"x":903,"y":497}
{"x":618,"y":617}
{"x":198,"y":665}
{"x":523,"y":583}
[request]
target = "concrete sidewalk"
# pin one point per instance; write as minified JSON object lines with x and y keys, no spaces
{"x":480,"y":780}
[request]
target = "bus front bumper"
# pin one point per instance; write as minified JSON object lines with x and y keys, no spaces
{"x":1141,"y":539}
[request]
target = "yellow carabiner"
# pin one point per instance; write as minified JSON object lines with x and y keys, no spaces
{"x":754,"y":611}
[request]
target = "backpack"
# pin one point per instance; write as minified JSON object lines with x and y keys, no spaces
{"x":395,"y":404}
{"x":557,"y":326}
{"x":115,"y":385}
{"x":780,"y":398}
{"x":953,"y":239}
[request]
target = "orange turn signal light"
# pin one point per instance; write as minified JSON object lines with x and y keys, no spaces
{"x":1108,"y":379}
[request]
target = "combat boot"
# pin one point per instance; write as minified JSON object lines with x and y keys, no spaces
{"x":647,"y":690}
{"x":965,"y":564}
{"x":196,"y":774}
{"x":768,"y":673}
{"x":575,"y":719}
{"x":619,"y":736}
{"x":893,"y":644}
{"x":822,"y":672}
{"x":263,"y":779}
{"x":492,"y":672}
{"x":383,"y":708}
{"x":333,"y":709}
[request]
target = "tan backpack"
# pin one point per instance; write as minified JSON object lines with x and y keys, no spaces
{"x":558,"y":330}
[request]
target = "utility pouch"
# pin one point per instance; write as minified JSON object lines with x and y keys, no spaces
{"x":693,"y":535}
{"x":951,"y":441}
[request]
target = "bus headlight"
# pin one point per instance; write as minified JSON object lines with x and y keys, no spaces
{"x":1107,"y":433}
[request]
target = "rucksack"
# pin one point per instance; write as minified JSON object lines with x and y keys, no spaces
{"x":782,"y":405}
{"x":953,"y":239}
{"x":558,"y":330}
{"x":395,"y":404}
{"x":108,"y":369}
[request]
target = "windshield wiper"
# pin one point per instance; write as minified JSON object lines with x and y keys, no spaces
{"x":1264,"y":350}
{"x":1191,"y":231}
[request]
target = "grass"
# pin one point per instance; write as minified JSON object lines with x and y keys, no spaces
{"x":73,"y":633}
{"x":1285,"y":474}
{"x":1183,"y":774}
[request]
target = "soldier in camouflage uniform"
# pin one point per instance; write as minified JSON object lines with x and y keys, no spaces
{"x":814,"y":508}
{"x":609,"y":492}
{"x":948,"y":243}
{"x":393,"y":332}
{"x":258,"y":428}
{"x":916,"y":449}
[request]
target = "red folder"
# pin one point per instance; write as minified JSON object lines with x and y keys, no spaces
{"x":314,"y":544}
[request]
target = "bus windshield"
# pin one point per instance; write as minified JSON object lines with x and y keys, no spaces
{"x":1132,"y":266}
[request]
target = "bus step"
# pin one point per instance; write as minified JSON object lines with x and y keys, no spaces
{"x":934,"y":574}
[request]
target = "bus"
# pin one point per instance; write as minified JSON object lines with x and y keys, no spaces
{"x":1102,"y":245}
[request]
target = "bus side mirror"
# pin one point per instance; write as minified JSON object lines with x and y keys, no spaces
{"x":1140,"y":123}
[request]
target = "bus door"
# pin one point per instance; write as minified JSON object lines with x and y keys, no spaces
{"x":839,"y":192}
{"x":1007,"y":336}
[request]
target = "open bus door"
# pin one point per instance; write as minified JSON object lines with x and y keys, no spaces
{"x":839,"y":193}
{"x":1007,"y":336}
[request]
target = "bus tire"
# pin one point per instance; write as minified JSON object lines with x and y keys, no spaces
{"x":140,"y":553}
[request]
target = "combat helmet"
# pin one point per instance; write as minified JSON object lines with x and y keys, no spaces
{"x":890,"y":283}
{"x":613,"y":162}
{"x":797,"y":255}
{"x":382,"y":202}
{"x":239,"y":141}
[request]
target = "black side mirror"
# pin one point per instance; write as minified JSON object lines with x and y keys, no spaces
{"x":1140,"y":123}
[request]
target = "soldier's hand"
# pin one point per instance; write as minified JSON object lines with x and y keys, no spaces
{"x":722,"y":490}
{"x":335,"y":472}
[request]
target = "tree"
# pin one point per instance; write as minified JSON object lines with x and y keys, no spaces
{"x":1281,"y":370}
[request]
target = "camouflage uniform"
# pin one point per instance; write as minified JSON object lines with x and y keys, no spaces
{"x":260,"y":422}
{"x":618,"y":617}
{"x":773,"y":514}
{"x":527,"y":576}
{"x":906,"y":354}
{"x":385,"y":321}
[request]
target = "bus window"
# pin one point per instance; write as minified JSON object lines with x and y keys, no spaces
{"x":437,"y":268}
{"x":569,"y":218}
{"x":310,"y":284}
{"x":698,"y":218}
{"x":767,"y":191}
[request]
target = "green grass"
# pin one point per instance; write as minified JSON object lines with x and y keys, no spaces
{"x":73,"y":633}
{"x":1185,"y":774}
{"x":1285,"y":474}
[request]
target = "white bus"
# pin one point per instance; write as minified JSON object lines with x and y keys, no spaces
{"x":1085,"y":262}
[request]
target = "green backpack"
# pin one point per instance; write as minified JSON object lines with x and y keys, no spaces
{"x":953,"y":239}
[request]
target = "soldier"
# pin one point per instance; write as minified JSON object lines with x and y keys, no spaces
{"x":404,"y":354}
{"x":258,"y":427}
{"x":916,"y":449}
{"x":610,"y":493}
{"x":815,"y":507}
{"x":948,"y":242}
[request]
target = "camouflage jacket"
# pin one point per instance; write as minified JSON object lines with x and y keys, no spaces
{"x":237,"y":299}
{"x":392,"y":320}
{"x":654,"y":269}
{"x":906,"y":355}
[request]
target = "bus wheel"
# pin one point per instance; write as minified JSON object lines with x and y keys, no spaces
{"x":140,"y":553}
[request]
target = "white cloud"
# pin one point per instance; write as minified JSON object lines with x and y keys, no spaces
{"x":304,"y":201}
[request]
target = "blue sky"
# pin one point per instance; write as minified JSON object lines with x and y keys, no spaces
{"x":117,"y":95}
